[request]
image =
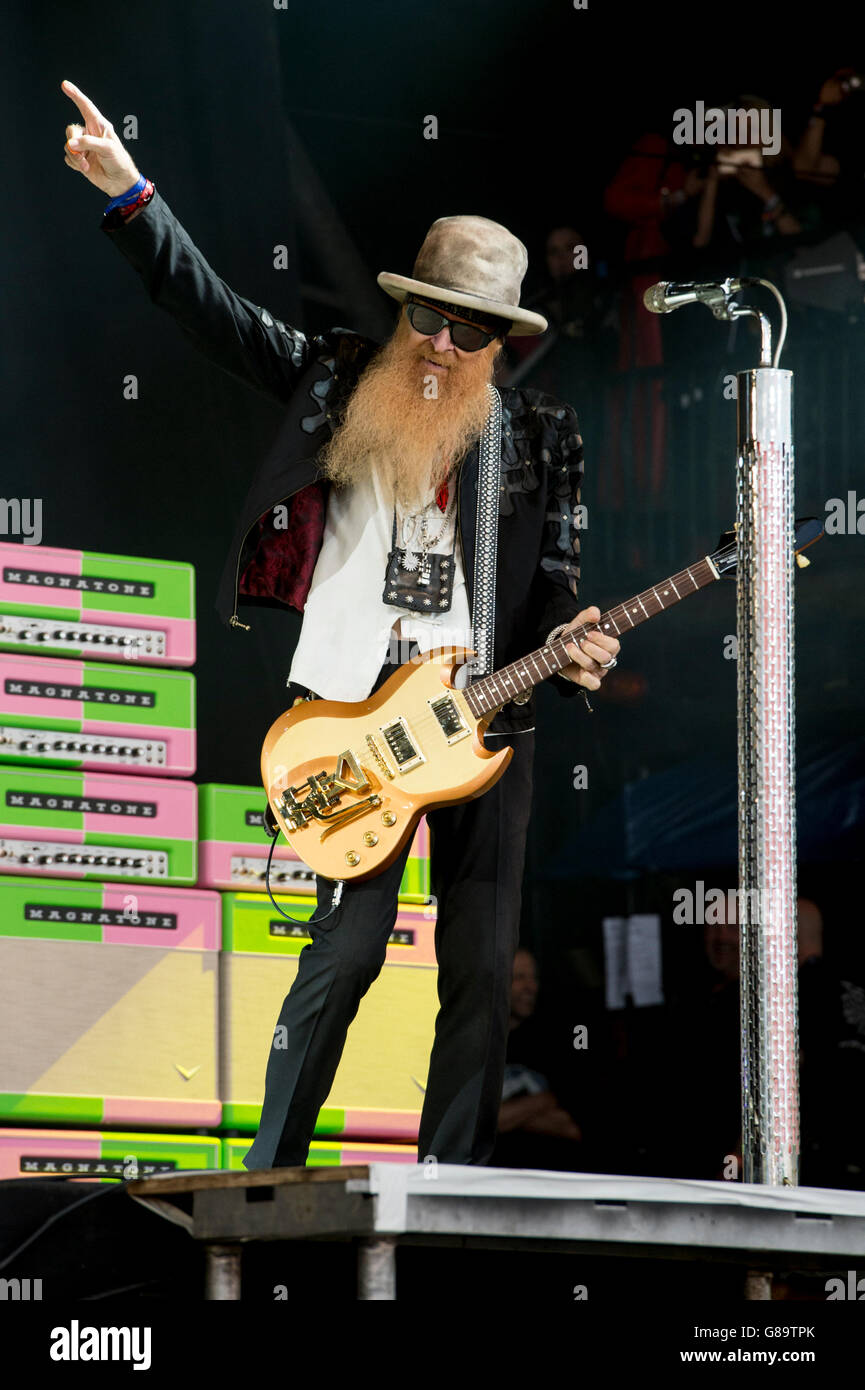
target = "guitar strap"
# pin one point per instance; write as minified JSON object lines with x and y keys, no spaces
{"x":486,"y":540}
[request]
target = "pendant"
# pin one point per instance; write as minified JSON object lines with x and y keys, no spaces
{"x":425,"y":571}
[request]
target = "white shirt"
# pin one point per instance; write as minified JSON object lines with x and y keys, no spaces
{"x":348,"y":630}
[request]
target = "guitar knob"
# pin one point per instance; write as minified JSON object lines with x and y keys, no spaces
{"x":388,"y":818}
{"x":352,"y":858}
{"x":370,"y":838}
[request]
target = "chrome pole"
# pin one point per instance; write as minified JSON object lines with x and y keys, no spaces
{"x":767,"y":820}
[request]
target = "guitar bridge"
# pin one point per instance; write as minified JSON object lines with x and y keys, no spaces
{"x":318,"y":798}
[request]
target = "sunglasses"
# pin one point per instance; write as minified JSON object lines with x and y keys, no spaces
{"x":466,"y":336}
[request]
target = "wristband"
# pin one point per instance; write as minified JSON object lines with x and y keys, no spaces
{"x":119,"y":216}
{"x":130,"y":196}
{"x":144,"y":197}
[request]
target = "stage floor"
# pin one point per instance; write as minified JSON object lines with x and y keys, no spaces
{"x":381,"y":1205}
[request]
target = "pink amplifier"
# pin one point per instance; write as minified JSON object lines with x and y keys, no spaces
{"x":108,"y":1004}
{"x":78,"y":603}
{"x":95,"y":825}
{"x":90,"y":1155}
{"x":82,"y":714}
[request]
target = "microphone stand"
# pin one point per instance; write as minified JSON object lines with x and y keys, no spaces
{"x":766,"y":730}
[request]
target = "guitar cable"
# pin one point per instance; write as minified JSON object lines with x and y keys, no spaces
{"x":272,"y":829}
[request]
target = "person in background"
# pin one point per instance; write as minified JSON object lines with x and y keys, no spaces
{"x":652,"y":194}
{"x":535,"y":1130}
{"x":578,"y":349}
{"x":832,"y":1061}
{"x":828,"y":160}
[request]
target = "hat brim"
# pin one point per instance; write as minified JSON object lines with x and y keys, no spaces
{"x":524,"y":321}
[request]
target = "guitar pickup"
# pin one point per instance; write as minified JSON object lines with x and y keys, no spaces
{"x":402,"y":746}
{"x":452,"y":724}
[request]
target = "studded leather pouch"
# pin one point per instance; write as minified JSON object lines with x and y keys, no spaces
{"x":420,"y":582}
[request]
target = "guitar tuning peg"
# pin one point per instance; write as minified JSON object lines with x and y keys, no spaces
{"x":802,"y":561}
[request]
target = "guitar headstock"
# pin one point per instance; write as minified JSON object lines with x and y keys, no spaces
{"x":806,"y":531}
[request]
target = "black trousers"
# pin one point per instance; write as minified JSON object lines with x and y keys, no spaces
{"x":477,"y":853}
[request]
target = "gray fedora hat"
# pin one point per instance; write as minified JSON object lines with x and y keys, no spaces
{"x":475,"y":264}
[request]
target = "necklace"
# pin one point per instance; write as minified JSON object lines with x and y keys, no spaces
{"x":417,"y":548}
{"x":418,"y":577}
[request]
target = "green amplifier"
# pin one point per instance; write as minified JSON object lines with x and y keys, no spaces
{"x":83,"y":1155}
{"x":379,"y":1087}
{"x":109,"y":1009}
{"x":328,"y":1153}
{"x":233,"y":848}
{"x":80,"y":603}
{"x":96,"y":716}
{"x":96,"y":825}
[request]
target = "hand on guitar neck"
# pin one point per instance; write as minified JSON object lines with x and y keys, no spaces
{"x":593,"y":655}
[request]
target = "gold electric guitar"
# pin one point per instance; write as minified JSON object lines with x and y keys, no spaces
{"x":348,"y":782}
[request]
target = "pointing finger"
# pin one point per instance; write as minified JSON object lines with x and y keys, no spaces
{"x":84,"y":104}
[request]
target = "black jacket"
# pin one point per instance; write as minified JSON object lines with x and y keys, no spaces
{"x":273,"y":552}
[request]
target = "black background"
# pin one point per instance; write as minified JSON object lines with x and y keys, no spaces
{"x":537,"y":104}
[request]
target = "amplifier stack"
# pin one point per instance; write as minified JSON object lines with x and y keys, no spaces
{"x":142,"y":964}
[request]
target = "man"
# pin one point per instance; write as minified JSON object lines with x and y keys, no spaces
{"x":365,"y":508}
{"x":535,"y":1128}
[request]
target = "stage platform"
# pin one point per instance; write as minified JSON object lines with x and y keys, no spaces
{"x":381,"y":1205}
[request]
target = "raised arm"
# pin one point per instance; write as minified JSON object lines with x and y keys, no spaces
{"x":239,"y":336}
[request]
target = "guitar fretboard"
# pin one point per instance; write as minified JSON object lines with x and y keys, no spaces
{"x":491,"y":692}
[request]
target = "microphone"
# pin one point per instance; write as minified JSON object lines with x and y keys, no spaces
{"x":668,"y":295}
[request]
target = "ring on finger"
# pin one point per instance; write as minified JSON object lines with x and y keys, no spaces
{"x":608,"y":665}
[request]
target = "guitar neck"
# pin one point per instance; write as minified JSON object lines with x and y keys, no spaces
{"x":493,"y":691}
